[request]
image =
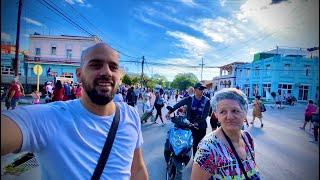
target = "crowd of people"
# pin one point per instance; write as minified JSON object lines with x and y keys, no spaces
{"x":62,"y":91}
{"x":69,"y":136}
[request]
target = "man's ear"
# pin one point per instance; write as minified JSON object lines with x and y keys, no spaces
{"x":78,"y":72}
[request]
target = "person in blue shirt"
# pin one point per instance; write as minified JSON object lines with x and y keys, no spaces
{"x":197,"y":112}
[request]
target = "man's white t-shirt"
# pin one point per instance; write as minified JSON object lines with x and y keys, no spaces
{"x":67,"y":139}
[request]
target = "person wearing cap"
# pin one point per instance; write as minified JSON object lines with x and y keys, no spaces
{"x":197,"y":111}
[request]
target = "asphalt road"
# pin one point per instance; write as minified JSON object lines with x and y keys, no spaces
{"x":283,"y":151}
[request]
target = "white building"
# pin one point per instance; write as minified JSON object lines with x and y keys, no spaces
{"x":59,"y":56}
{"x":227,"y":77}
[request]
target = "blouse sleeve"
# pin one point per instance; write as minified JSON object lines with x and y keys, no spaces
{"x":205,"y":156}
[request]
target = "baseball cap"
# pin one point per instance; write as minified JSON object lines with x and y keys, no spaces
{"x":199,"y":86}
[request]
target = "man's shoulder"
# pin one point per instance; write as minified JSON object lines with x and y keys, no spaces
{"x":125,"y":107}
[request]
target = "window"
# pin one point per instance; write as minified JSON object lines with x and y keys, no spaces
{"x":255,"y":90}
{"x":53,"y":50}
{"x":69,"y":53}
{"x":7,"y":70}
{"x":303,"y":92}
{"x":67,"y":75}
{"x":247,"y":90}
{"x":284,"y":89}
{"x":240,"y":73}
{"x":268,"y":69}
{"x":286,"y":68}
{"x":248,"y":73}
{"x":38,"y":51}
{"x":256,"y":71}
{"x":266,"y":88}
{"x":307,"y":70}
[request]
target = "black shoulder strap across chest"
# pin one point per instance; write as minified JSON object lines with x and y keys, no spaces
{"x":107,"y":146}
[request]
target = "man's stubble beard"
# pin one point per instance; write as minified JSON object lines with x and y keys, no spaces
{"x":95,"y":97}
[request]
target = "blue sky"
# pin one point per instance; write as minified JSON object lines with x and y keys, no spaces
{"x":178,"y":32}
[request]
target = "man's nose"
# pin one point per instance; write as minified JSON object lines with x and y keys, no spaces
{"x":105,"y":70}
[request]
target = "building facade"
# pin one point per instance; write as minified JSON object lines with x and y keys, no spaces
{"x":283,"y":71}
{"x":227,"y":77}
{"x":59,"y":57}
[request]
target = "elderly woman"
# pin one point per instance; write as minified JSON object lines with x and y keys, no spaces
{"x":228,"y":152}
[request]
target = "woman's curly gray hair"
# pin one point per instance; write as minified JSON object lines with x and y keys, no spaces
{"x":230,"y":94}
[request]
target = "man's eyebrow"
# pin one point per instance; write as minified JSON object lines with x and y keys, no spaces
{"x":95,"y":61}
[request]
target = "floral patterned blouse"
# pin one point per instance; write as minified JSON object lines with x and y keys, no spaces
{"x":218,"y":159}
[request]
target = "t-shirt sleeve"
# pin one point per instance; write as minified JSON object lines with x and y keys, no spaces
{"x":205,"y":156}
{"x":33,"y":123}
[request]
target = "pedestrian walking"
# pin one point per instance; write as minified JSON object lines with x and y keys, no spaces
{"x":177,"y":95}
{"x":228,"y":152}
{"x":130,"y":96}
{"x":278,"y":101}
{"x":310,"y":108}
{"x":14,"y":94}
{"x":158,"y":104}
{"x":257,"y":113}
{"x":68,"y":137}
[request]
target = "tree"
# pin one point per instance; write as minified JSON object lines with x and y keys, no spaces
{"x":184,"y":80}
{"x":159,"y":79}
{"x":126,"y":79}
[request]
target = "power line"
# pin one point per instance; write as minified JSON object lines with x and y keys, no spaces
{"x":61,"y":14}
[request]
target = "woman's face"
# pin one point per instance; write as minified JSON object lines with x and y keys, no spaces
{"x":230,"y":115}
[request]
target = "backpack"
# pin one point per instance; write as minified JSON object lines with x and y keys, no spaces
{"x":263,"y":108}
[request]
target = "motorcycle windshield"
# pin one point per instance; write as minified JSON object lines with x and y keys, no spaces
{"x":180,"y":139}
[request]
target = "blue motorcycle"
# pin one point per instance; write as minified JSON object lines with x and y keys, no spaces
{"x":178,"y":146}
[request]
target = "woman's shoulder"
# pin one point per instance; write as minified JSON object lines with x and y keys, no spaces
{"x":210,"y":139}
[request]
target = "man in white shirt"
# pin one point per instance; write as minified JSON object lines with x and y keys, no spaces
{"x":68,"y":136}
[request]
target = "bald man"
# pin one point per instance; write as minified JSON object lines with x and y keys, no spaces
{"x":68,"y":136}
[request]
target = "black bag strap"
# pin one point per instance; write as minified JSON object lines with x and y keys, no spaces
{"x":107,"y":146}
{"x":236,"y":154}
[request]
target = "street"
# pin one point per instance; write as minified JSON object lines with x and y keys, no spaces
{"x":283,"y":151}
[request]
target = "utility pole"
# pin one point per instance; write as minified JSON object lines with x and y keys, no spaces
{"x":142,"y":78}
{"x":16,"y":59}
{"x":201,"y":67}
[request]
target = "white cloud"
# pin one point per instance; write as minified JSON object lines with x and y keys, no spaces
{"x":222,"y":2}
{"x":31,"y":21}
{"x":79,"y":2}
{"x":5,"y":37}
{"x":149,"y":21}
{"x":219,"y":30}
{"x":294,"y":22}
{"x":189,"y":3}
{"x":195,"y":47}
{"x":69,"y":1}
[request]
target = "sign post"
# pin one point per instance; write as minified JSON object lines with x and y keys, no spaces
{"x":37,"y":69}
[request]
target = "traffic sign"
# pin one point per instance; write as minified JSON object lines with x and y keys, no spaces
{"x":37,"y":69}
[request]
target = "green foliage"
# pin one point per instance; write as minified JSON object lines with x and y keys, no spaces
{"x":159,"y":79}
{"x":182,"y":81}
{"x":126,"y":79}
